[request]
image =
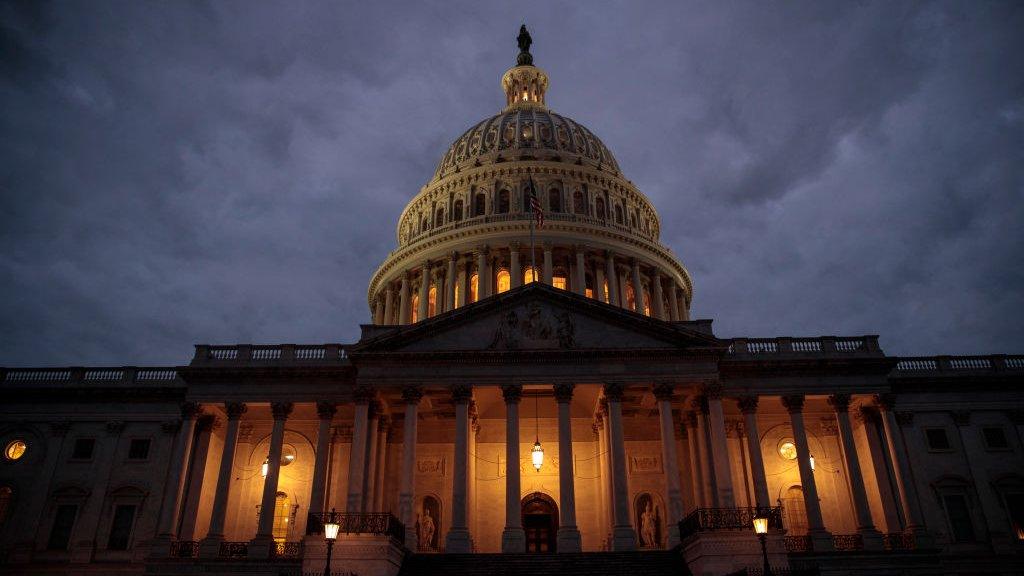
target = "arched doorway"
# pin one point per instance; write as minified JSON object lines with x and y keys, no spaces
{"x":795,"y":511}
{"x":540,"y":521}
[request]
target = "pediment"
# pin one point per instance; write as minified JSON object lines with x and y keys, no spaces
{"x":535,"y":317}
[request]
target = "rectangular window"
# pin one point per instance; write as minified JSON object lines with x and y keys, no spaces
{"x":83,"y":448}
{"x":995,"y":438}
{"x":959,"y":517}
{"x":1015,"y":506}
{"x":63,"y":522}
{"x":121,"y":527}
{"x":138,"y":449}
{"x":937,"y":439}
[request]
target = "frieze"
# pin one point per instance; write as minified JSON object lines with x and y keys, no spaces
{"x":645,"y":463}
{"x":533,"y":326}
{"x":828,"y":426}
{"x":431,"y":466}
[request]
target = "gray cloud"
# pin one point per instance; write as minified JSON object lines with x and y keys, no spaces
{"x":176,"y":173}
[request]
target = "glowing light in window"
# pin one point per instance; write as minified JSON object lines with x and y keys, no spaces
{"x":787,"y":450}
{"x":473,"y":282}
{"x":15,"y":450}
{"x":559,"y":282}
{"x":504,"y":281}
{"x":530,"y":275}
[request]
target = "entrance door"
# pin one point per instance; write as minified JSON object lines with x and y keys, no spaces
{"x":540,"y":521}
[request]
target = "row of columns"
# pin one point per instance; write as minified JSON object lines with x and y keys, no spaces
{"x":393,"y":305}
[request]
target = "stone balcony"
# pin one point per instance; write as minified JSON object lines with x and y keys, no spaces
{"x":795,"y":347}
{"x":279,"y":354}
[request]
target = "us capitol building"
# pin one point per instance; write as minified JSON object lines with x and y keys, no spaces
{"x":640,"y":440}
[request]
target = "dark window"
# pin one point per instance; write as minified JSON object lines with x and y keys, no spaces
{"x":503,"y":202}
{"x":1015,"y":507}
{"x":121,"y":527}
{"x":83,"y":448}
{"x":554,"y":200}
{"x":439,"y":217}
{"x":458,"y":210}
{"x":995,"y":438}
{"x":63,"y":522}
{"x":138,"y":449}
{"x":600,"y":208}
{"x":618,"y":214}
{"x":479,"y":205}
{"x":937,"y":439}
{"x":959,"y":517}
{"x":578,"y":206}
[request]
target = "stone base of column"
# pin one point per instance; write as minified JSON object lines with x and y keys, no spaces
{"x":673,"y":535}
{"x":261,"y":546}
{"x":209,"y":547}
{"x":513,"y":541}
{"x":923,"y":539}
{"x":821,"y":540}
{"x":872,"y":538}
{"x":160,"y":547}
{"x":569,"y":539}
{"x":458,"y":541}
{"x":81,"y":551}
{"x":623,"y":538}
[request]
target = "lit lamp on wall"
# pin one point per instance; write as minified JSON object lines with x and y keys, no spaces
{"x":263,"y":468}
{"x":537,"y":454}
{"x":331,"y":528}
{"x":812,"y":462}
{"x":761,"y":528}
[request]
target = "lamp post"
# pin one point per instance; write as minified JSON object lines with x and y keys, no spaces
{"x":331,"y":528}
{"x":761,"y":528}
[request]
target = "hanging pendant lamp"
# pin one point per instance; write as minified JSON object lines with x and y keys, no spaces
{"x":537,"y":454}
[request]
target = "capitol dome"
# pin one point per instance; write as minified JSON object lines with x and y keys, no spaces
{"x":471,"y":231}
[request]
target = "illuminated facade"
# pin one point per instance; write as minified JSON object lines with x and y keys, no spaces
{"x":635,"y":428}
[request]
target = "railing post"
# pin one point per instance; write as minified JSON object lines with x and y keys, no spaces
{"x":785,"y":344}
{"x":871,"y":344}
{"x":202,"y":353}
{"x":288,"y":352}
{"x":943,"y":363}
{"x":77,"y":374}
{"x":244,"y":352}
{"x":739,"y":346}
{"x":129,"y":373}
{"x":998,"y":362}
{"x":828,"y":344}
{"x":332,"y":351}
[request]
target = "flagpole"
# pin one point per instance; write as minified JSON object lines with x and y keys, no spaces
{"x":533,"y":250}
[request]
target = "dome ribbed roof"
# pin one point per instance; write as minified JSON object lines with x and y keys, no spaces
{"x":528,"y":133}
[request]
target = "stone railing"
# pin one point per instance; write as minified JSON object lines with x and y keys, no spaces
{"x":125,"y":375}
{"x":234,"y":550}
{"x":287,"y":550}
{"x":185,"y":549}
{"x":957,"y":365}
{"x":794,"y":346}
{"x":381,"y":523}
{"x":708,"y":519}
{"x":850,"y":543}
{"x":525,"y":217}
{"x":277,"y":354}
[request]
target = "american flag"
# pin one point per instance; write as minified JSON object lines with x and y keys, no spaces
{"x":535,"y":205}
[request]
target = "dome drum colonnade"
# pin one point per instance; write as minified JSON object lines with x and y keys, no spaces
{"x":472,"y":222}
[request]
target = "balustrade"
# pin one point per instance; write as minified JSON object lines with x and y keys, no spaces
{"x":185,"y":549}
{"x":381,"y":523}
{"x":708,"y":519}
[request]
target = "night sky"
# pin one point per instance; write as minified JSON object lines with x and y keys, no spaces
{"x":174,"y":173}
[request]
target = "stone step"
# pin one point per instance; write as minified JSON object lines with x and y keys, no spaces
{"x":648,"y":563}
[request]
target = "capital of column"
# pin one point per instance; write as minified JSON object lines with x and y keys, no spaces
{"x":700,"y":403}
{"x":614,"y":391}
{"x":794,"y":403}
{"x":461,"y":393}
{"x":375,"y":409}
{"x":453,"y":256}
{"x":234,"y":410}
{"x":115,"y":427}
{"x":887,"y":402}
{"x":326,"y":410}
{"x":690,"y":419}
{"x":281,"y":410}
{"x":170,"y":426}
{"x":514,"y":245}
{"x":563,"y":392}
{"x":425,"y":265}
{"x":483,"y":249}
{"x":412,"y":394}
{"x":712,"y":390}
{"x":547,"y":246}
{"x":362,"y":394}
{"x":840,"y":402}
{"x":748,"y":404}
{"x":609,"y":254}
{"x":580,"y":249}
{"x":664,"y":390}
{"x":904,"y":418}
{"x":869,"y":414}
{"x":191,"y":410}
{"x":512,"y":393}
{"x":207,"y":422}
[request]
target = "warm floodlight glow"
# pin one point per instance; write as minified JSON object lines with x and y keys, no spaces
{"x":812,"y":462}
{"x":265,"y":467}
{"x":761,"y":524}
{"x":537,"y":454}
{"x":331,"y":530}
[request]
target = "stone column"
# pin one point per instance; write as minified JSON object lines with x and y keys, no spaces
{"x":663,"y":393}
{"x":325,"y":412}
{"x":421,"y":310}
{"x":458,"y":540}
{"x":696,"y":475}
{"x":821,"y":539}
{"x":514,"y":269}
{"x":581,"y":271}
{"x":197,"y":477}
{"x":83,"y":543}
{"x":483,"y":274}
{"x":210,"y":546}
{"x":623,"y":535}
{"x":411,"y":395}
{"x":673,"y":302}
{"x":27,"y":531}
{"x":865,"y":526}
{"x":599,"y":283}
{"x":175,"y":485}
{"x":707,"y":467}
{"x":903,"y":472}
{"x":568,"y":532}
{"x":356,"y":465}
{"x":450,"y":279}
{"x":513,"y":538}
{"x":377,"y":314}
{"x":383,"y":425}
{"x":389,"y":306}
{"x":684,"y":310}
{"x":658,"y":309}
{"x":403,"y":306}
{"x":719,"y":447}
{"x":602,"y":484}
{"x":612,"y":277}
{"x":463,"y":280}
{"x":748,"y":406}
{"x":638,"y":288}
{"x":370,"y":463}
{"x":262,"y":546}
{"x":889,"y":504}
{"x":549,"y":273}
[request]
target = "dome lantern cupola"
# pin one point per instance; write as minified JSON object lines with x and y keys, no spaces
{"x":524,"y":84}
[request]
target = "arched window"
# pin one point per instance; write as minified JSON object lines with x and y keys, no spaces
{"x":432,"y":301}
{"x":529,"y":275}
{"x":504,"y":281}
{"x":604,"y":293}
{"x":424,"y":224}
{"x":630,"y":296}
{"x":503,"y":202}
{"x":458,"y":292}
{"x":578,"y":206}
{"x":526,"y":199}
{"x":632,"y":221}
{"x":554,"y":200}
{"x":282,"y":517}
{"x":439,"y":217}
{"x":796,"y":513}
{"x":457,"y":211}
{"x":589,"y":289}
{"x":600,"y":208}
{"x":618,"y":213}
{"x":560,"y":281}
{"x":479,"y":204}
{"x":414,"y":308}
{"x":647,"y":302}
{"x":474,"y":281}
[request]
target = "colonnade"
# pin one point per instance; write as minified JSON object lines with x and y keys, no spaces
{"x":437,"y":286}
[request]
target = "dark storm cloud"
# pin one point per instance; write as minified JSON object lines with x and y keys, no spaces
{"x":174,"y":173}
